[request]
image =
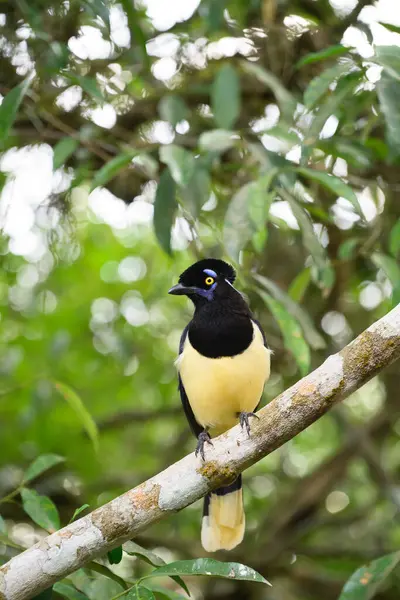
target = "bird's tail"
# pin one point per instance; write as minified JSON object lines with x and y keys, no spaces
{"x":223,"y":518}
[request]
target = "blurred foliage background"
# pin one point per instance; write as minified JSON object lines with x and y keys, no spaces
{"x":135,"y":139}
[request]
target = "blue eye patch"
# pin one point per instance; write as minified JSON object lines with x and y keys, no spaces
{"x":210,"y":272}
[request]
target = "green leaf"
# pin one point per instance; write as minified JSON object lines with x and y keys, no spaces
{"x":63,"y":150}
{"x":215,"y":15}
{"x":260,"y":201}
{"x":332,"y":104}
{"x":259,"y":239}
{"x":355,"y":153}
{"x":208,"y":566}
{"x":181,"y":163}
{"x":54,"y":59}
{"x":320,"y":84}
{"x":115,"y":555}
{"x":3,"y":180}
{"x":389,"y":58}
{"x":287,"y":103}
{"x":367,"y":580}
{"x":105,"y":589}
{"x":217,"y":140}
{"x":164,"y":210}
{"x":10,"y":105}
{"x":81,"y":412}
{"x":112,"y":168}
{"x":325,"y":277}
{"x":391,"y":27}
{"x":45,"y":595}
{"x":151,"y":558}
{"x":347,"y":249}
{"x":388,"y":91}
{"x":282,"y":133}
{"x":98,"y":568}
{"x":139,"y":592}
{"x":40,"y":465}
{"x":89,"y":85}
{"x":40,"y":509}
{"x":172,"y":109}
{"x":310,"y":239}
{"x":165,"y":593}
{"x":225,"y":97}
{"x":291,"y":332}
{"x":147,"y":164}
{"x":78,"y":511}
{"x":197,"y":192}
{"x":312,"y":336}
{"x":326,"y":53}
{"x":299,"y":285}
{"x":389,"y":266}
{"x":270,"y":160}
{"x":67,"y":590}
{"x":394,"y":239}
{"x":138,"y":39}
{"x":238,"y":225}
{"x":3,"y":528}
{"x":280,"y":223}
{"x":333,"y":184}
{"x":322,"y":273}
{"x":99,"y":8}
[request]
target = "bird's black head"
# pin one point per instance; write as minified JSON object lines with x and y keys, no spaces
{"x":203,"y":280}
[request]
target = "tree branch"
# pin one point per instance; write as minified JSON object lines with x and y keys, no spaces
{"x":189,"y":479}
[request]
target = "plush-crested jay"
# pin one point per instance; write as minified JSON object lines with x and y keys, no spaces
{"x":223,"y":364}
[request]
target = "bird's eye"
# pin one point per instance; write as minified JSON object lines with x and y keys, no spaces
{"x":209,"y":280}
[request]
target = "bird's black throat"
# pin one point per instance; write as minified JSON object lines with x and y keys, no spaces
{"x":221,"y":327}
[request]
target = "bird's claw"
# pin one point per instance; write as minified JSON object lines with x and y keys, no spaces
{"x":204,"y":438}
{"x":244,"y":420}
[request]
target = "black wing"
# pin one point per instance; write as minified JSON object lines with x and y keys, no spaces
{"x":194,"y":426}
{"x":265,"y":344}
{"x":261,"y":329}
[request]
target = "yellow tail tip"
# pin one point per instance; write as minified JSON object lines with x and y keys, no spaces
{"x":223,"y":527}
{"x":214,"y":538}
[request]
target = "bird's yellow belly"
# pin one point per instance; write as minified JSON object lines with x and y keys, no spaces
{"x":219,"y":389}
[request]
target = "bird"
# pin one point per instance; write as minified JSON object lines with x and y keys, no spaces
{"x":223,"y":365}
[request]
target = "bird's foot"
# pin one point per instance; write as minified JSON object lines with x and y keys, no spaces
{"x":204,"y":438}
{"x":244,"y":420}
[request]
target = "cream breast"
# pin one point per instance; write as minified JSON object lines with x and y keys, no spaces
{"x":219,"y":389}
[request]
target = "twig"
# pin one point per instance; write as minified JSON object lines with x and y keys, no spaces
{"x":61,"y":126}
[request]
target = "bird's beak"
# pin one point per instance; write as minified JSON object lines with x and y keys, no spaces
{"x":181,"y":290}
